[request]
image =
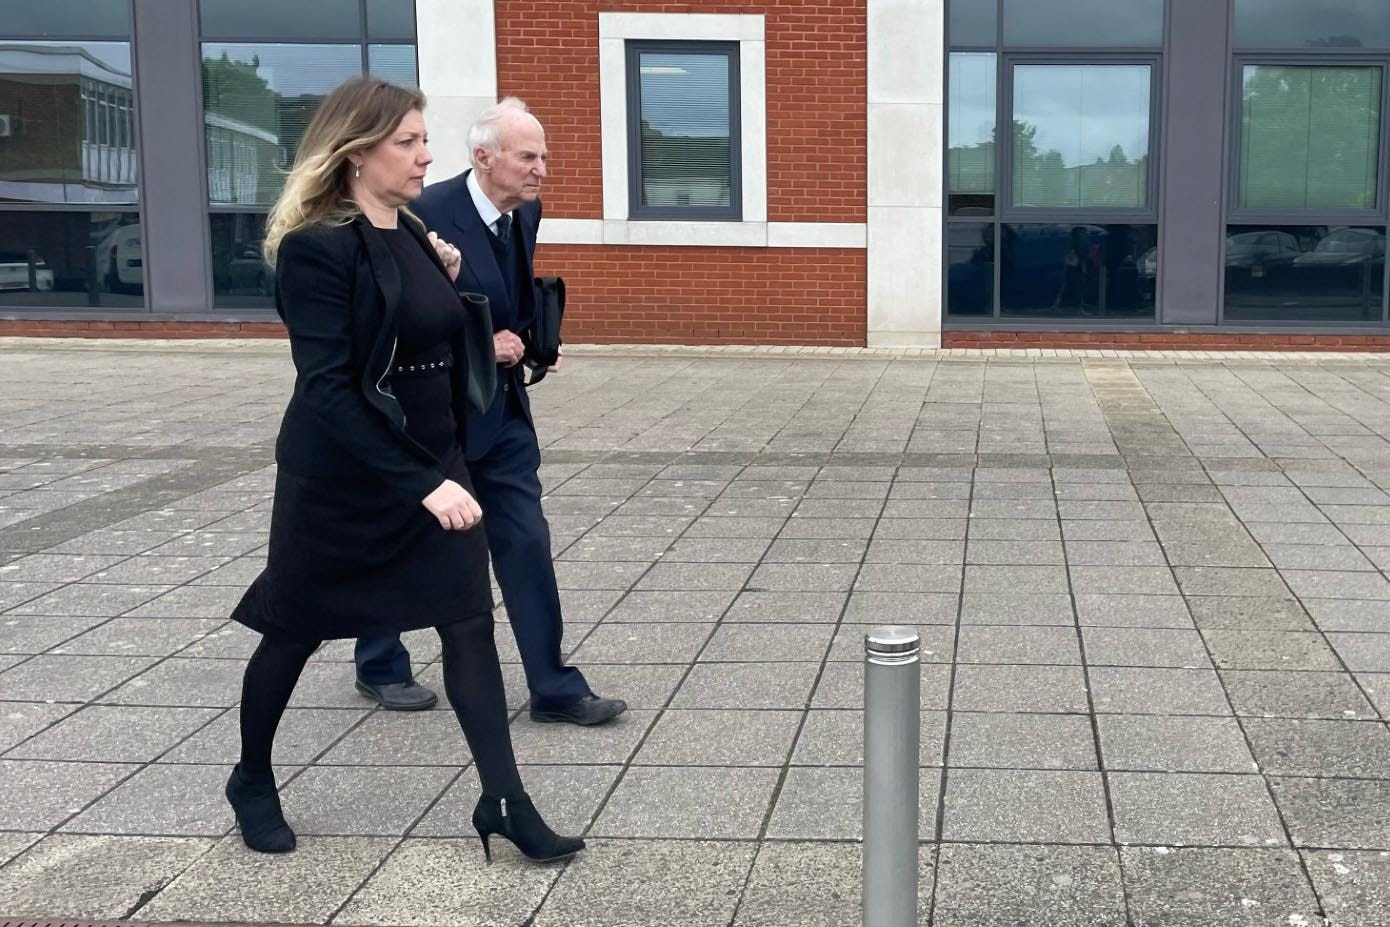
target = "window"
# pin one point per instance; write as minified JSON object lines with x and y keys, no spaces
{"x":69,"y":168}
{"x":1059,"y":218}
{"x":1305,"y":273}
{"x":683,"y":131}
{"x":1309,"y":137}
{"x":266,"y":66}
{"x":1312,"y":24}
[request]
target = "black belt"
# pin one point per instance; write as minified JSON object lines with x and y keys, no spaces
{"x":422,"y":366}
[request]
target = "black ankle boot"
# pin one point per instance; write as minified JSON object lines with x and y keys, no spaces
{"x":258,"y":814}
{"x":518,"y":820}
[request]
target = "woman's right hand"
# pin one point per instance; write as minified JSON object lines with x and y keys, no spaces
{"x":453,"y":506}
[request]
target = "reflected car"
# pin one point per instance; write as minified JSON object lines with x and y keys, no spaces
{"x":14,"y":272}
{"x":120,"y":259}
{"x":1344,"y":247}
{"x":1257,"y":252}
{"x":249,"y":274}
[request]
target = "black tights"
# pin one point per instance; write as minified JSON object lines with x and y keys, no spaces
{"x":472,"y":681}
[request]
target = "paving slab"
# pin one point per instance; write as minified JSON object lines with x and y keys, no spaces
{"x":980,"y":885}
{"x":1354,"y":886}
{"x":1198,"y":887}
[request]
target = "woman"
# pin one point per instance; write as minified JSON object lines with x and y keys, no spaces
{"x":374,"y":528}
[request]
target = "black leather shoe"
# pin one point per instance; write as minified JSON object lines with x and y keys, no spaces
{"x":587,"y":711}
{"x":399,"y":696}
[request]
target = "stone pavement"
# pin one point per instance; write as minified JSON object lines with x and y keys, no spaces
{"x":1152,"y":594}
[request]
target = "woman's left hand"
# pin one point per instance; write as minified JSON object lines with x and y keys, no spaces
{"x":448,"y":255}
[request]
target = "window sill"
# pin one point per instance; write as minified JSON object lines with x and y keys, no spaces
{"x":672,"y":233}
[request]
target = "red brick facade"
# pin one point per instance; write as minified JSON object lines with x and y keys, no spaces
{"x":547,"y":54}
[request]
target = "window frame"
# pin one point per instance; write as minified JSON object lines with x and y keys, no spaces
{"x":637,"y":212}
{"x":1307,"y":215}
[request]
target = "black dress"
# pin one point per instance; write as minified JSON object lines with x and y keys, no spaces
{"x":347,"y":557}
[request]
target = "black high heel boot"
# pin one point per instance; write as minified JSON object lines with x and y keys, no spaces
{"x":518,"y":820}
{"x":258,"y":814}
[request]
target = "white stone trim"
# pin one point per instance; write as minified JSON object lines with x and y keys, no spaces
{"x":615,"y":29}
{"x":706,"y":234}
{"x":456,"y":41}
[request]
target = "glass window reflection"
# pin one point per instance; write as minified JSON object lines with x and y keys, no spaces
{"x":971,"y":132}
{"x":1312,"y":24}
{"x":1078,"y":271}
{"x":281,"y":19}
{"x":395,"y":63}
{"x":391,"y":20}
{"x":970,"y":268}
{"x":258,"y":100}
{"x":71,"y":260}
{"x":240,"y":276}
{"x":1101,"y":23}
{"x":974,"y":22}
{"x":61,"y":18}
{"x":1081,"y":135}
{"x":1305,"y":273}
{"x":69,"y":123}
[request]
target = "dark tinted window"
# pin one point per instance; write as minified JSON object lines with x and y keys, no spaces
{"x":1305,"y":273}
{"x":281,"y":19}
{"x":1078,"y":271}
{"x":71,"y":260}
{"x":240,"y":276}
{"x":974,"y":22}
{"x":1084,"y":22}
{"x":970,"y":268}
{"x":57,"y":18}
{"x":389,"y":20}
{"x":1312,"y":24}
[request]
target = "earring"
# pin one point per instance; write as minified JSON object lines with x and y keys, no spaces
{"x":357,"y":171}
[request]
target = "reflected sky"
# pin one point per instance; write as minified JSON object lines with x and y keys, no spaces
{"x":686,"y":95}
{"x":1084,"y":111}
{"x":295,"y":70}
{"x":18,"y":57}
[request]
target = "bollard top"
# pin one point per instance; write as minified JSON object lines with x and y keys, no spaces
{"x":891,"y":640}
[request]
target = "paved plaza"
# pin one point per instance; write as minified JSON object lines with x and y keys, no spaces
{"x":1152,"y":594}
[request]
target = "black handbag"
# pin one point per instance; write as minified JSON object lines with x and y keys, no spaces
{"x":542,"y":339}
{"x":473,"y":345}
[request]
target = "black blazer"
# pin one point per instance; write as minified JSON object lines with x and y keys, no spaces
{"x":338,"y":290}
{"x":447,"y":208}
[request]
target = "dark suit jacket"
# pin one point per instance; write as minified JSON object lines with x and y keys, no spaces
{"x":447,"y":208}
{"x":338,"y":290}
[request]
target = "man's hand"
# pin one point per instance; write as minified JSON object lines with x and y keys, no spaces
{"x":508,"y":348}
{"x":453,"y":506}
{"x":559,"y":361}
{"x":448,"y":255}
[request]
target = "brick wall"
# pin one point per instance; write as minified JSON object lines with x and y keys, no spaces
{"x":547,"y":54}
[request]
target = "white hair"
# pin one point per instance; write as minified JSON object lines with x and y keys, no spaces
{"x":486,"y":131}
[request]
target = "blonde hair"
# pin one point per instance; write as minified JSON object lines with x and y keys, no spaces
{"x":359,"y":113}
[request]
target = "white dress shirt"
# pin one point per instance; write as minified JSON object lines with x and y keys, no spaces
{"x":486,"y":210}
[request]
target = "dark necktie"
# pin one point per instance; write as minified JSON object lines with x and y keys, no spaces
{"x":504,"y":229}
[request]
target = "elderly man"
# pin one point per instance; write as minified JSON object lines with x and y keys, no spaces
{"x":491,"y":213}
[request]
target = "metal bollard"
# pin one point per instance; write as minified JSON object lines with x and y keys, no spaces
{"x":892,"y":693}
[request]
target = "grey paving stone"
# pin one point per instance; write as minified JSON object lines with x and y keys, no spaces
{"x":842,"y":686}
{"x":191,"y":602}
{"x":1199,"y":887}
{"x":1016,"y":608}
{"x":1115,"y":553}
{"x":1137,"y":580}
{"x":1320,"y":747}
{"x":670,"y":606}
{"x":163,"y":800}
{"x":14,"y":843}
{"x":427,"y":738}
{"x":90,"y":599}
{"x":1017,"y":688}
{"x":1276,"y":694}
{"x":657,"y":526}
{"x":1004,"y":886}
{"x":55,"y":568}
{"x":33,"y":634}
{"x":1144,"y":647}
{"x":183,"y":682}
{"x":695,"y":576}
{"x":641,"y":686}
{"x":1155,"y":690}
{"x":1317,"y":557}
{"x":303,"y":734}
{"x":1018,"y":645}
{"x":788,"y":606}
{"x":924,"y":529}
{"x":67,"y":678}
{"x":613,"y":742}
{"x":802,"y":885}
{"x":634,"y":642}
{"x":1329,"y":584}
{"x":1025,"y":806}
{"x":232,"y":883}
{"x":1377,"y":687}
{"x":1132,"y":611}
{"x":1269,"y":650}
{"x":836,"y":738}
{"x":1170,"y":743}
{"x":827,"y":803}
{"x":114,"y":734}
{"x":1038,"y":580}
{"x":654,"y":883}
{"x":717,"y":550}
{"x":910,"y":608}
{"x":329,"y":800}
{"x":567,"y":796}
{"x":802,"y":528}
{"x":1193,"y":809}
{"x":688,"y":802}
{"x":21,"y":720}
{"x":140,"y":636}
{"x":720,"y":737}
{"x":150,"y":569}
{"x":1106,"y":530}
{"x":42,"y":794}
{"x":93,"y":876}
{"x":1196,"y":581}
{"x":1354,"y":887}
{"x":747,"y":686}
{"x":1346,"y":813}
{"x":599,"y":548}
{"x":1008,"y":529}
{"x":913,"y":577}
{"x":1349,"y":615}
{"x":1014,"y":553}
{"x":1368,"y":653}
{"x":1249,"y":613}
{"x":1022,"y":741}
{"x":759,"y":643}
{"x":816,"y":550}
